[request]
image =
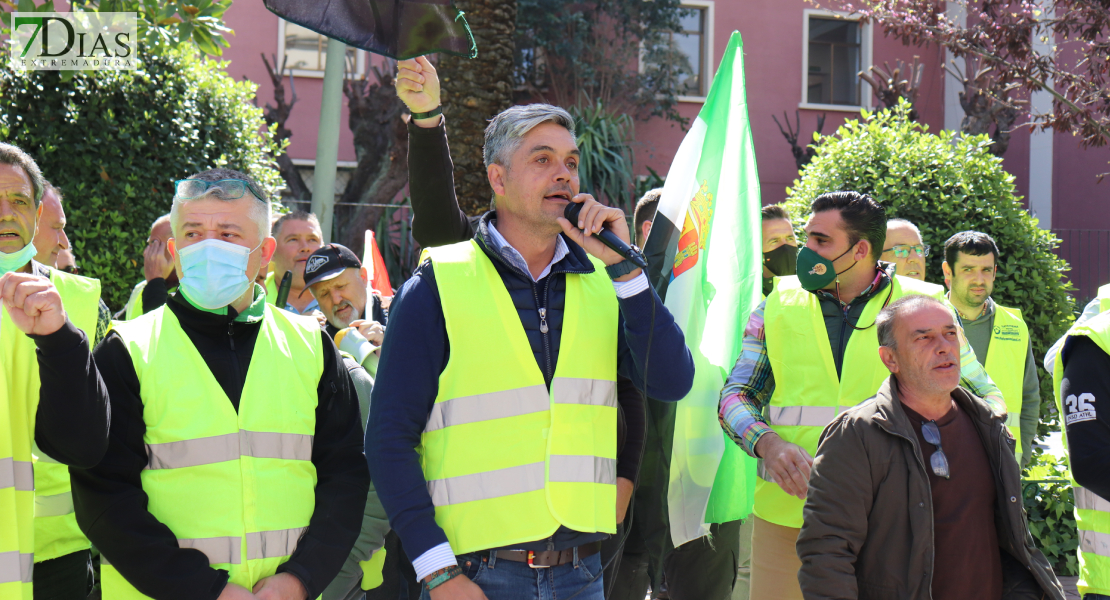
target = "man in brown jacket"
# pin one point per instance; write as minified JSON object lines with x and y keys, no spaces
{"x":915,"y":493}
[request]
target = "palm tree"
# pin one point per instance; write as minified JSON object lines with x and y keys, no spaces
{"x":474,"y":90}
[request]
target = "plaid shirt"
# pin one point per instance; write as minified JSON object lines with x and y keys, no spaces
{"x":750,"y":385}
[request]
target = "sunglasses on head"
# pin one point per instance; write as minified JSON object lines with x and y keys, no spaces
{"x":227,"y":189}
{"x":903,"y":250}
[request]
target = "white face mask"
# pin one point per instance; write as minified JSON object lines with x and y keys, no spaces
{"x":214,"y":272}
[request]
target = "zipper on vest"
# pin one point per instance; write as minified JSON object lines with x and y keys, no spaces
{"x":231,"y":337}
{"x":542,"y":309}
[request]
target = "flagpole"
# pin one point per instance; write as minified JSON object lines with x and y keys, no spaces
{"x":327,"y":137}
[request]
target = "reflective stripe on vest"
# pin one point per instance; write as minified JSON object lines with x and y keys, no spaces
{"x":17,"y":474}
{"x":1005,"y":363}
{"x":16,"y":567}
{"x":221,"y":448}
{"x":46,"y":537}
{"x":808,"y":394}
{"x":252,"y":467}
{"x":54,"y":506}
{"x":521,"y":479}
{"x":1092,"y":512}
{"x":547,"y":458}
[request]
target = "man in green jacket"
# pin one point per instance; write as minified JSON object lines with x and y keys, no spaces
{"x":915,"y":493}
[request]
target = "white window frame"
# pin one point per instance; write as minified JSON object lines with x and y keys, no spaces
{"x":707,"y":39}
{"x":866,"y":58}
{"x":360,"y":57}
{"x":707,"y":42}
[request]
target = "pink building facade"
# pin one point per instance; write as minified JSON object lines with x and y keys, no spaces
{"x":798,"y":58}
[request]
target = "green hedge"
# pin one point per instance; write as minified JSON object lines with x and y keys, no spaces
{"x":115,"y":141}
{"x":945,"y":185}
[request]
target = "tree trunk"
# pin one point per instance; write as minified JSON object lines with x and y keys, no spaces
{"x":474,"y":90}
{"x":381,"y":147}
{"x":280,"y":114}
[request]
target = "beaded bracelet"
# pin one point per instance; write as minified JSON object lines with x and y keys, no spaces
{"x":442,"y":576}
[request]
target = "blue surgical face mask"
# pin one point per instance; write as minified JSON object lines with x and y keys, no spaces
{"x":16,"y":260}
{"x":214,"y":272}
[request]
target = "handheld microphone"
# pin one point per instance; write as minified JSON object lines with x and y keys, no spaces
{"x":607,"y":237}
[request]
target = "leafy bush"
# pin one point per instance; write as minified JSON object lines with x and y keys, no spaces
{"x":1050,"y":506}
{"x":605,"y":170}
{"x":114,"y":142}
{"x":946,"y":185}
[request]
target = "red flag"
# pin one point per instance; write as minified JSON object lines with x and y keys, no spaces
{"x":375,"y":264}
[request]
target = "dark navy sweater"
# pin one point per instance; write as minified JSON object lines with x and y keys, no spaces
{"x":415,"y":352}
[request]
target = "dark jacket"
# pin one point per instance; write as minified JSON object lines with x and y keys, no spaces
{"x":416,"y":350}
{"x":110,"y":503}
{"x":73,"y":414}
{"x":868,"y":529}
{"x":437,"y":220}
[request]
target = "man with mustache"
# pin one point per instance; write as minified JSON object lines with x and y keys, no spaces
{"x":53,"y":406}
{"x":998,"y":334}
{"x":341,"y":286}
{"x":915,"y":493}
{"x":298,"y":234}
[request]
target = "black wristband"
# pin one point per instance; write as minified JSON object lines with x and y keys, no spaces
{"x":431,"y":113}
{"x":621,"y":269}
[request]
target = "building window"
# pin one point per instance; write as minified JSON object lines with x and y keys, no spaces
{"x":307,"y":50}
{"x":835,"y":56}
{"x":690,"y":40}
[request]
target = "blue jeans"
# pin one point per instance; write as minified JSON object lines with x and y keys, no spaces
{"x":508,"y":580}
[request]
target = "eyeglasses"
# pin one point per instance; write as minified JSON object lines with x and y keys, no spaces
{"x":227,"y":189}
{"x":938,"y":460}
{"x":71,"y":269}
{"x":903,"y":250}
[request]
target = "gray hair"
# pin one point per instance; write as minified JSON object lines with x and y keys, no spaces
{"x":14,"y":155}
{"x":295,"y":215}
{"x":884,"y":323}
{"x":259,"y":212}
{"x":909,"y":224}
{"x":505,"y":131}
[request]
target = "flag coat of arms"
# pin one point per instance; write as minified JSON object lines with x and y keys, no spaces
{"x":704,"y":253}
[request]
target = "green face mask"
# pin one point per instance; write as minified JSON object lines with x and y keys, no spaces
{"x":16,"y":260}
{"x":816,"y":271}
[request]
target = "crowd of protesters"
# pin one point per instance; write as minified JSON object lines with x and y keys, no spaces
{"x":259,"y":422}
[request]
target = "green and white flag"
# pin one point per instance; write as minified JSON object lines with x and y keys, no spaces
{"x":705,"y":255}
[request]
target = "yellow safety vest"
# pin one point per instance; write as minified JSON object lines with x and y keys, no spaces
{"x":271,"y":289}
{"x":19,"y":386}
{"x":1104,"y":298}
{"x":808,"y":394}
{"x":1005,"y":364}
{"x":506,"y":460}
{"x":1092,"y":512}
{"x":253,"y":469}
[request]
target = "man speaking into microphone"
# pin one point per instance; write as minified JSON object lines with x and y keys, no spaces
{"x":492,"y":429}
